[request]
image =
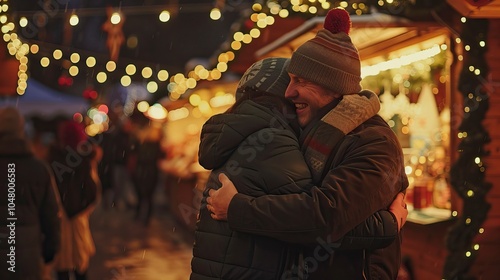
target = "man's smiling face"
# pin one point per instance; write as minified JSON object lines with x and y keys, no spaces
{"x":308,"y":98}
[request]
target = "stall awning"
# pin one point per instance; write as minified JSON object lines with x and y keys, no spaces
{"x":42,"y":101}
{"x":374,"y":35}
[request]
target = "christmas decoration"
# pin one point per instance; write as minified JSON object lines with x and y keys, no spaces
{"x":468,"y":172}
{"x":115,"y":39}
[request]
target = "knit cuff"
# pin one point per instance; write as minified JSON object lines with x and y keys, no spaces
{"x":353,"y":110}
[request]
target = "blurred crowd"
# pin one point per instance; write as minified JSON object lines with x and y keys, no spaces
{"x":62,"y":174}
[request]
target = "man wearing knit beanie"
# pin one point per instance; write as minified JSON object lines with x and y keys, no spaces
{"x":330,"y":59}
{"x":328,"y":64}
{"x":355,"y":159}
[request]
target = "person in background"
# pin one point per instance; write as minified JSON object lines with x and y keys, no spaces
{"x":74,"y":161}
{"x":30,"y":211}
{"x":255,"y":143}
{"x":145,"y":174}
{"x":356,"y":171}
{"x":117,"y":145}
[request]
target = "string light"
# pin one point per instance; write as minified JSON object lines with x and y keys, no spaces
{"x":18,"y":49}
{"x":215,"y":14}
{"x":263,"y":21}
{"x":74,"y":20}
{"x":164,"y":16}
{"x":399,"y":62}
{"x":464,"y":177}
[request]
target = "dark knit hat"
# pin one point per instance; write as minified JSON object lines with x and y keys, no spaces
{"x":71,"y":134}
{"x":330,"y":59}
{"x":266,"y":75}
{"x":11,"y":122}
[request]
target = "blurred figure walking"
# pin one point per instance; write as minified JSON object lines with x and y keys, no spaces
{"x":74,"y":161}
{"x":31,"y":235}
{"x":145,"y":170}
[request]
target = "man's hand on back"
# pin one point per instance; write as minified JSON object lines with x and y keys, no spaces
{"x":398,"y":208}
{"x":218,"y":200}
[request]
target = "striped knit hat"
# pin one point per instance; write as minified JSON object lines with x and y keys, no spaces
{"x":266,"y":75}
{"x":330,"y":59}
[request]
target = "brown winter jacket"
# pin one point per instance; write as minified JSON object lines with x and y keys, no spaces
{"x":365,"y":175}
{"x":277,"y":167}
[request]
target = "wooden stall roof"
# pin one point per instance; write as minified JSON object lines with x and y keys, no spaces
{"x":373,"y":35}
{"x":482,"y":9}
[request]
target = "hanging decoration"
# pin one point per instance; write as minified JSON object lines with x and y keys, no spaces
{"x":468,"y":172}
{"x":113,"y":26}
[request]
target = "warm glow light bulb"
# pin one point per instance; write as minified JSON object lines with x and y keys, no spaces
{"x":163,"y":75}
{"x":74,"y":20}
{"x":194,"y":99}
{"x":164,"y":16}
{"x":147,"y":72}
{"x":152,"y":87}
{"x":157,"y":112}
{"x":75,"y":57}
{"x":125,"y":81}
{"x":247,"y":39}
{"x":215,"y":14}
{"x":111,"y":66}
{"x":101,"y":77}
{"x":191,"y":83}
{"x":222,"y":66}
{"x":236,"y":45}
{"x":115,"y":18}
{"x":23,"y":22}
{"x":130,"y":69}
{"x":57,"y":54}
{"x":284,"y":13}
{"x":142,"y":106}
{"x":44,"y":61}
{"x":90,"y":61}
{"x":238,"y":36}
{"x":255,"y":33}
{"x":257,"y":7}
{"x":73,"y":70}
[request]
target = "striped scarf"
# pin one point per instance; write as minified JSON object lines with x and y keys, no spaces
{"x":322,"y":140}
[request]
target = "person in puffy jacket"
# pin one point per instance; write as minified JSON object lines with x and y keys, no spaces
{"x":255,"y":143}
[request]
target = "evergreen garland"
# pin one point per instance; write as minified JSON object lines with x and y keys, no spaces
{"x":468,"y":172}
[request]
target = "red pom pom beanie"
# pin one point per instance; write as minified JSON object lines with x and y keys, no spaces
{"x":330,"y":59}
